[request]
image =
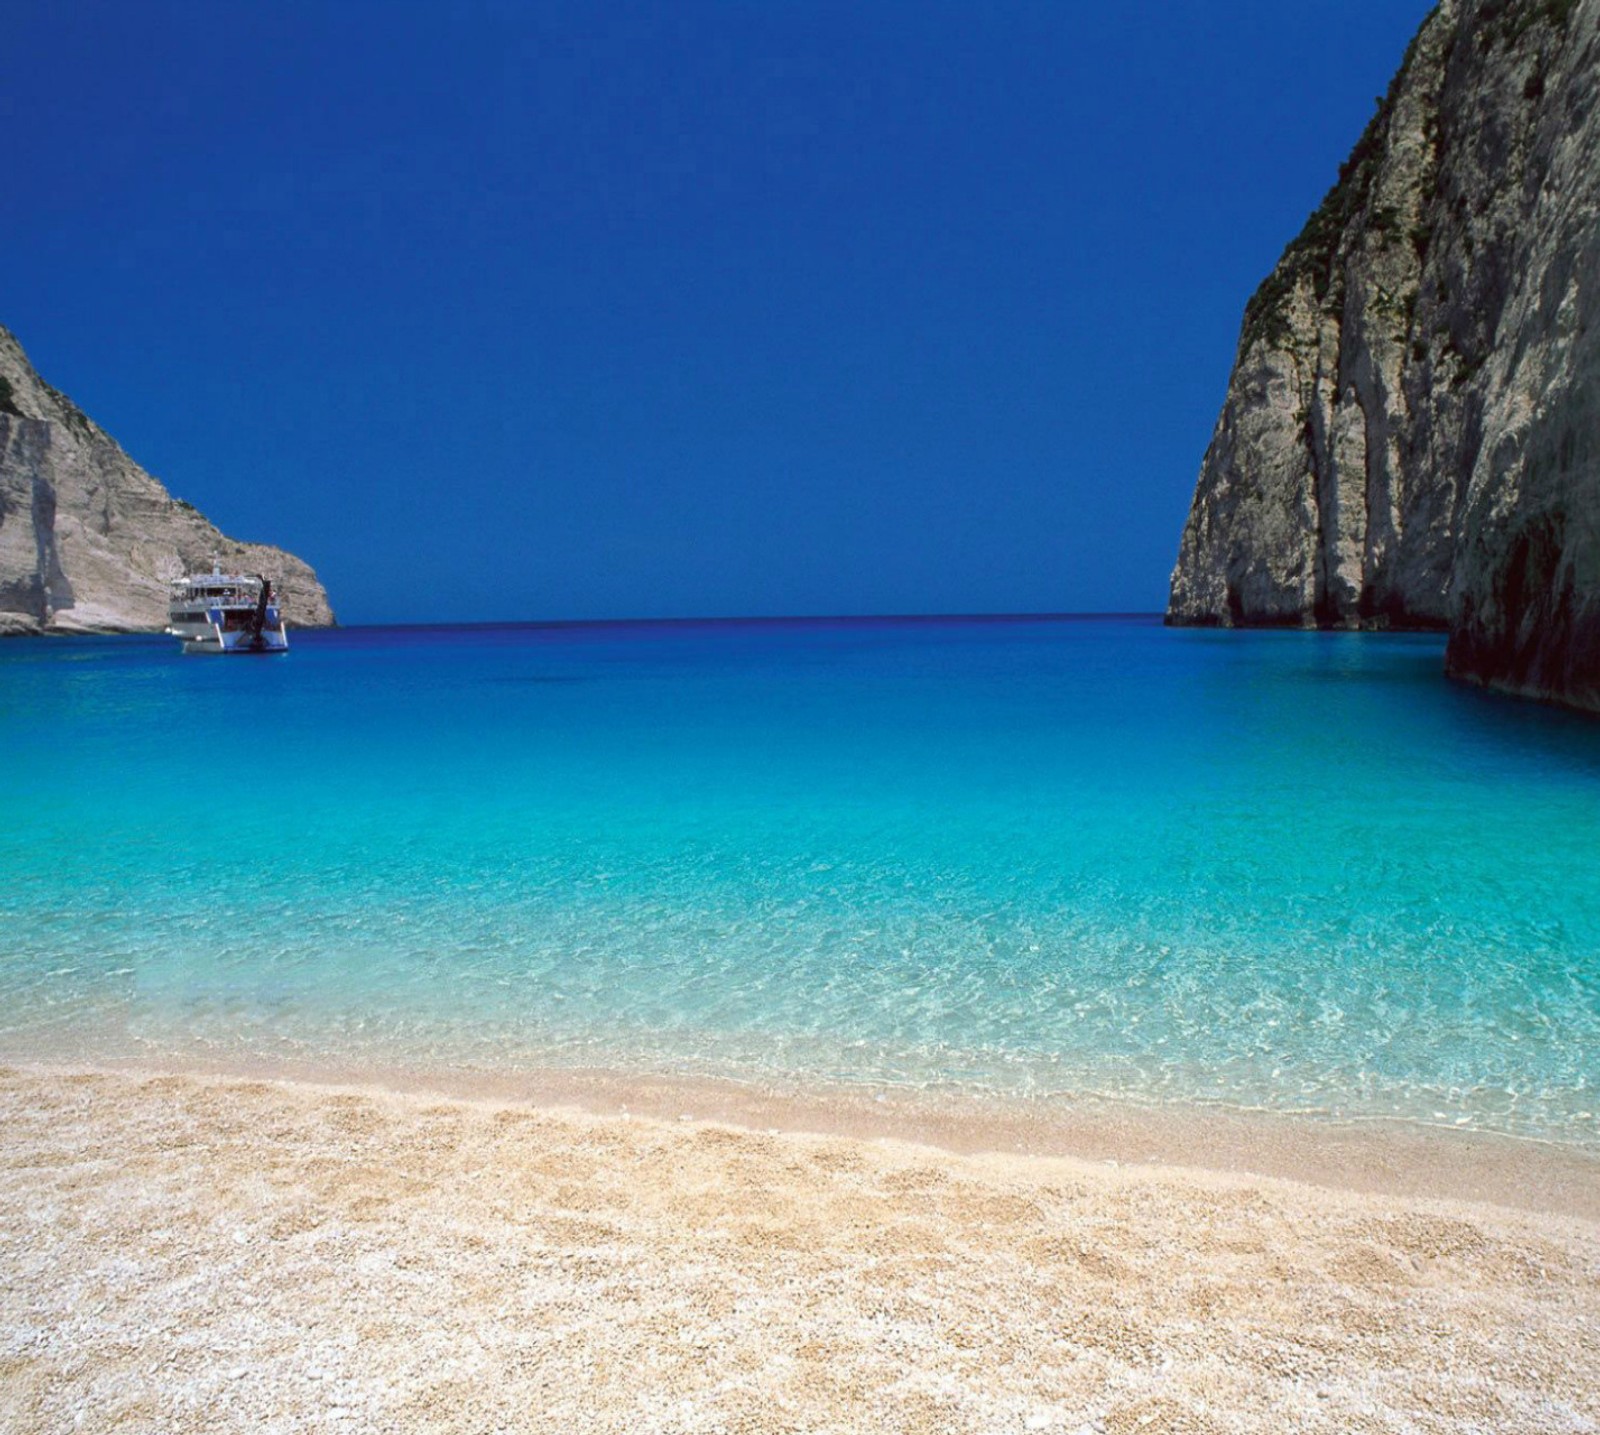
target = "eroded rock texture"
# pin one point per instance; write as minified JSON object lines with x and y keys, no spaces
{"x":88,"y":540}
{"x":1410,"y":432}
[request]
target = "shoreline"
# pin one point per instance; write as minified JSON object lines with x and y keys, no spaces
{"x":1372,"y":1156}
{"x":191,"y":1253}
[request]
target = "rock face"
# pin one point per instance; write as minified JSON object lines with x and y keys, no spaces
{"x":88,"y":540}
{"x":1411,"y":435}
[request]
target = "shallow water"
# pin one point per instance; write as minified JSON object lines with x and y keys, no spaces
{"x":1292,"y":871}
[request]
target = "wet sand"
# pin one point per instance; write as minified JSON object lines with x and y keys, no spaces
{"x":200,"y":1253}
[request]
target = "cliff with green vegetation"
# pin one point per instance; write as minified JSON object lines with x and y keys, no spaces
{"x":88,"y":539}
{"x":1411,"y":433}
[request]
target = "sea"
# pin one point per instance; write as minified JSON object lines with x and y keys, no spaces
{"x":1026,"y":859}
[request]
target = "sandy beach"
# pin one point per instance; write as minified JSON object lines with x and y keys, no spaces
{"x":200,"y":1253}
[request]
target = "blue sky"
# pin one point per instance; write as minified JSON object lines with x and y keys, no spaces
{"x":521,"y":311}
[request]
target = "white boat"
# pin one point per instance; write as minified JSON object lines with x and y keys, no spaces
{"x":219,"y":612}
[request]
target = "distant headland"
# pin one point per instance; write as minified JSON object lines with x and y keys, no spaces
{"x":88,"y":539}
{"x":1411,"y":435}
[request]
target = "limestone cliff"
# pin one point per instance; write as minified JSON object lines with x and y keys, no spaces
{"x":1410,"y":432}
{"x":88,"y":539}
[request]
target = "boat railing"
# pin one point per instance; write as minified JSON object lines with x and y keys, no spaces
{"x":237,"y":595}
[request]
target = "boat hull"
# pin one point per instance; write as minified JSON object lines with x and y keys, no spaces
{"x":229,"y":642}
{"x":271,"y":643}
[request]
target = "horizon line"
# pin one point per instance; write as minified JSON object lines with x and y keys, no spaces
{"x":772,"y":618}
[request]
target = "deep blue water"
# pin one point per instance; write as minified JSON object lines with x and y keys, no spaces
{"x":1291,"y":870}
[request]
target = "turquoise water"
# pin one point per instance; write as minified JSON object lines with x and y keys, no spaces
{"x":1283,"y":870}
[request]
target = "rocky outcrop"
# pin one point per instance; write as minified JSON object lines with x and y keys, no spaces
{"x":88,"y":540}
{"x":1409,"y":437}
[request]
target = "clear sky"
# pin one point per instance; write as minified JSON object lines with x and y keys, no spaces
{"x":539,"y":311}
